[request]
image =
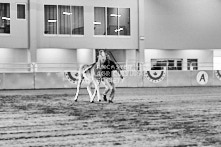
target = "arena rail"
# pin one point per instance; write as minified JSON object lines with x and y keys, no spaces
{"x":51,"y":75}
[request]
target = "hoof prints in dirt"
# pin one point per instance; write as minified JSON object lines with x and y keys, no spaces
{"x":55,"y":119}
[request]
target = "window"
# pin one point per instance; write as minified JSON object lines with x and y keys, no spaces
{"x":99,"y":21}
{"x":192,"y":64}
{"x":50,"y":19}
{"x":77,"y":20}
{"x":21,"y":11}
{"x":169,"y":64}
{"x":117,"y":23}
{"x":5,"y":18}
{"x":112,"y":21}
{"x":124,"y":21}
{"x":64,"y":20}
{"x":157,"y":64}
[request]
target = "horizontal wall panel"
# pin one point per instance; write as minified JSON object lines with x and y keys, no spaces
{"x":18,"y":81}
{"x":179,"y":78}
{"x":1,"y":81}
{"x":130,"y":79}
{"x":217,"y":77}
{"x":69,"y":79}
{"x":202,"y":78}
{"x":155,"y":78}
{"x":49,"y":80}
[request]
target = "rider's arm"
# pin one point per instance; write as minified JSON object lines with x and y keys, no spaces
{"x":118,"y":70}
{"x":120,"y":73}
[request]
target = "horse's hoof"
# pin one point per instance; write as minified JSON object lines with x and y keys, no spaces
{"x":92,"y":101}
{"x":110,"y":101}
{"x":99,"y":100}
{"x":75,"y":100}
{"x":105,"y":98}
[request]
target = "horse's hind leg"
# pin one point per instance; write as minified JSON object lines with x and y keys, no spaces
{"x":94,"y":94}
{"x":96,"y":91}
{"x":78,"y":89}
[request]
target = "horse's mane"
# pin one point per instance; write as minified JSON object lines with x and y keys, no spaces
{"x":92,"y":65}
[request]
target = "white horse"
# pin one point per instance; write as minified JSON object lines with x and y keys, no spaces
{"x":90,"y":73}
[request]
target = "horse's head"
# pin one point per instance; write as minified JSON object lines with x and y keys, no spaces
{"x":102,"y":57}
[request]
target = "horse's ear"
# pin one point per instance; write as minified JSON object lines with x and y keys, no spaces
{"x":108,"y":57}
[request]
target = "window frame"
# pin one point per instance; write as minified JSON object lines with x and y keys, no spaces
{"x":71,"y":8}
{"x":105,"y":21}
{"x":57,"y":29}
{"x":118,"y":23}
{"x":56,"y":20}
{"x":10,"y":6}
{"x":190,"y":61}
{"x":20,"y":19}
{"x":166,"y":62}
{"x":69,"y":17}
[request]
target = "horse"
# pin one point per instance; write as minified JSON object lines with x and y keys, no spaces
{"x":91,"y":74}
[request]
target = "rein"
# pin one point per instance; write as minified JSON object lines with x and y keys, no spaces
{"x":115,"y":60}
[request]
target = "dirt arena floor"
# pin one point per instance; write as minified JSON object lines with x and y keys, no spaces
{"x":142,"y":117}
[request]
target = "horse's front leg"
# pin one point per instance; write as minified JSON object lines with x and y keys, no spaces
{"x":98,"y":93}
{"x":78,"y":89}
{"x":97,"y":90}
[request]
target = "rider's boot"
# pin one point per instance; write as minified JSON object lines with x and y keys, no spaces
{"x":110,"y":101}
{"x":105,"y":97}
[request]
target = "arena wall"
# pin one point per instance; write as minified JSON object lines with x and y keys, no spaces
{"x":51,"y":80}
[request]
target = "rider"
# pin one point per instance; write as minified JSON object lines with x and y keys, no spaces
{"x":106,"y":72}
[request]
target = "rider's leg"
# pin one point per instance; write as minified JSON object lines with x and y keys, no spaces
{"x":107,"y":89}
{"x":112,"y":94}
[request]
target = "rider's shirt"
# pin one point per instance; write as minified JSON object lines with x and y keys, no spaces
{"x":107,"y":67}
